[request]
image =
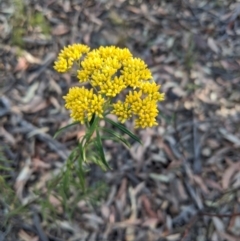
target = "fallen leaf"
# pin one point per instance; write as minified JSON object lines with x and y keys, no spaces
{"x":122,"y":188}
{"x":39,"y":164}
{"x":200,"y":183}
{"x":218,"y":223}
{"x":230,"y":137}
{"x":151,"y":223}
{"x":56,"y":203}
{"x":37,"y":104}
{"x":26,"y":237}
{"x":22,"y":178}
{"x":61,"y":29}
{"x":105,"y":211}
{"x":22,"y":64}
{"x":228,"y":174}
{"x":212,"y":44}
{"x":30,"y":92}
{"x":226,"y":236}
{"x":147,"y":206}
{"x":9,"y":138}
{"x":173,"y":237}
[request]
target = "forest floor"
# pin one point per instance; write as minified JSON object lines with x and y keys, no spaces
{"x":183,"y":183}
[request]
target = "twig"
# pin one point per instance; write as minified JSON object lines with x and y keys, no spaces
{"x":189,"y":226}
{"x":53,"y":144}
{"x":197,"y":165}
{"x":219,"y":215}
{"x":36,"y":221}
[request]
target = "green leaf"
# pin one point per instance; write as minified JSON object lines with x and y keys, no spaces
{"x":92,"y":120}
{"x":65,"y":127}
{"x":123,"y":129}
{"x":117,"y":136}
{"x":100,"y":150}
{"x":80,"y":170}
{"x":90,"y":131}
{"x":81,"y":151}
{"x":2,"y":168}
{"x":95,"y":159}
{"x":81,"y":174}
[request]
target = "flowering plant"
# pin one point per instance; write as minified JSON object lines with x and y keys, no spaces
{"x":113,"y":74}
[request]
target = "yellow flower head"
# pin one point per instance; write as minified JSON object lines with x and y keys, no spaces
{"x":122,"y":111}
{"x":110,"y":71}
{"x":83,"y":103}
{"x":68,"y":55}
{"x":152,"y":90}
{"x":147,"y":114}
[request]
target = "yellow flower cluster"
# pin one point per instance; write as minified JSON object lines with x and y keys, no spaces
{"x":84,"y":103}
{"x":110,"y":70}
{"x":68,"y":55}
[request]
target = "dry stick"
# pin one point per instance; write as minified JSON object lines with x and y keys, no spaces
{"x":37,"y":225}
{"x":190,"y":224}
{"x":196,"y":216}
{"x":219,"y":215}
{"x":197,"y":165}
{"x":52,"y":144}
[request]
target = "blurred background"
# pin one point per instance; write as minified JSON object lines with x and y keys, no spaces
{"x":182,"y":183}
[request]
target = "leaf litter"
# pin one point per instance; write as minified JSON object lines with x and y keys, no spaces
{"x":184,"y":178}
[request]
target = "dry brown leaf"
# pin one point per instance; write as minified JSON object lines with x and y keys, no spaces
{"x":22,"y":64}
{"x":22,"y":178}
{"x":213,"y":45}
{"x":219,"y":155}
{"x":167,"y":150}
{"x":56,"y":203}
{"x":43,"y":180}
{"x":133,"y":9}
{"x":230,"y":137}
{"x":39,"y":164}
{"x":30,"y":92}
{"x":127,"y":223}
{"x":225,"y":236}
{"x":60,"y":29}
{"x":37,"y":104}
{"x":105,"y":211}
{"x":7,"y":136}
{"x":147,"y":206}
{"x":30,"y":58}
{"x":137,"y":152}
{"x":229,"y":173}
{"x":24,"y":60}
{"x":218,"y":223}
{"x":173,"y":237}
{"x":26,"y":237}
{"x":213,"y":184}
{"x":122,"y":188}
{"x":150,"y":223}
{"x":55,"y":103}
{"x":55,"y":87}
{"x":200,"y":183}
{"x":80,"y":134}
{"x":181,"y":190}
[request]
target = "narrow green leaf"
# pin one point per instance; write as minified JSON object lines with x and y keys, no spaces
{"x":81,"y":151}
{"x":65,"y":127}
{"x":117,"y":136}
{"x":65,"y":180}
{"x":80,"y":170}
{"x":100,"y":150}
{"x":90,"y":131}
{"x":95,"y":159}
{"x":81,"y":174}
{"x":6,"y":168}
{"x":92,"y":120}
{"x":123,"y":129}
